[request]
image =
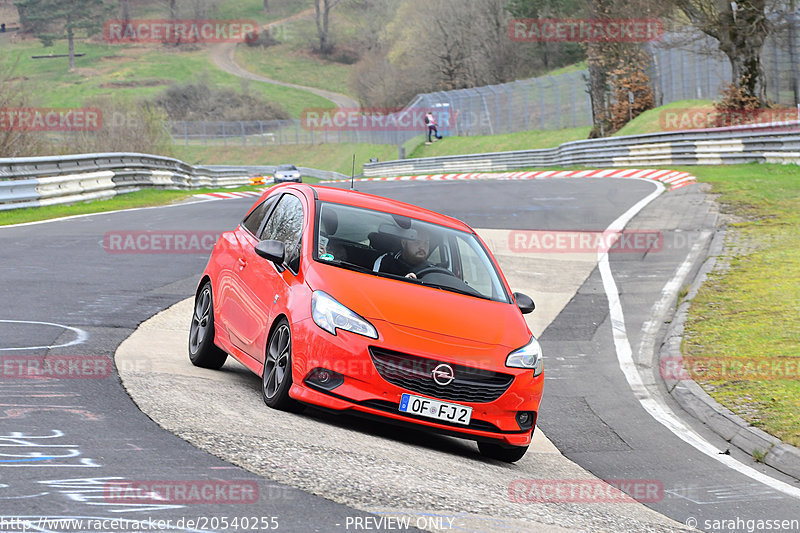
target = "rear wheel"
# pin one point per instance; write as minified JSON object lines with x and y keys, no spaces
{"x":276,"y":380}
{"x":507,"y":454}
{"x":202,"y":350}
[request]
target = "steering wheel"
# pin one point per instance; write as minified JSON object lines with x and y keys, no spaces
{"x":431,"y":269}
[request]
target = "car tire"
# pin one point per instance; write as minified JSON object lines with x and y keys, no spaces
{"x":276,"y":378}
{"x":506,"y":454}
{"x":202,"y":350}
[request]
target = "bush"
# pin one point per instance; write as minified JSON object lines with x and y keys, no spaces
{"x":199,"y":101}
{"x":737,"y":105}
{"x":13,"y":141}
{"x":126,"y":127}
{"x":265,"y":39}
{"x":629,"y":79}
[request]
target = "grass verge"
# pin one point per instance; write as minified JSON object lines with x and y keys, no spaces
{"x":526,"y":140}
{"x":141,"y":198}
{"x":132,"y":71}
{"x":336,"y":157}
{"x":746,"y":316}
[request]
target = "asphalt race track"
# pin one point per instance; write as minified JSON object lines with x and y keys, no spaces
{"x":65,"y":442}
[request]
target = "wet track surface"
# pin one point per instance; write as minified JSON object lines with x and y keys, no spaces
{"x":64,"y":442}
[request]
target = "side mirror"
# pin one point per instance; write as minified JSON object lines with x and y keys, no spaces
{"x":524,"y":302}
{"x":274,"y":251}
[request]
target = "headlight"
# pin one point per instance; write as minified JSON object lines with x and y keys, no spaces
{"x":529,"y":356}
{"x":330,"y":315}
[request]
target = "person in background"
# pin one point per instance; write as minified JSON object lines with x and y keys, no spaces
{"x":430,"y":121}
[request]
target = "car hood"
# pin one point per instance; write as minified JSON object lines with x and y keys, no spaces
{"x":416,"y":309}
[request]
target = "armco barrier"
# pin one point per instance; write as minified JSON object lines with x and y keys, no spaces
{"x":763,"y":143}
{"x":38,"y":181}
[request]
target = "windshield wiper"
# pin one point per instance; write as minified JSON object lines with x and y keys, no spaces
{"x":470,"y":292}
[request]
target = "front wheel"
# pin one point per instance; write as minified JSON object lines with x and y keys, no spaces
{"x":202,"y":350}
{"x":507,"y":454}
{"x":276,"y":379}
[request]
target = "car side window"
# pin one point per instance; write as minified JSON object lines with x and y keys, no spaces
{"x":252,"y":222}
{"x":285,"y":224}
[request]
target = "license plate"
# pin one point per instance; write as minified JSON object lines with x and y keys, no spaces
{"x":451,"y":412}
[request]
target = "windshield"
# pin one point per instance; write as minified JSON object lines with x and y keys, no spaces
{"x":287,"y":167}
{"x":407,"y":249}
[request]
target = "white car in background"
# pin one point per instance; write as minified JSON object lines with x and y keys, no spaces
{"x":286,"y":173}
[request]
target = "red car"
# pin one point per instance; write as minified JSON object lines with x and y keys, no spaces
{"x":358,"y":303}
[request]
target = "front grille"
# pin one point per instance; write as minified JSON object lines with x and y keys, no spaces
{"x":390,"y":407}
{"x":414,"y":373}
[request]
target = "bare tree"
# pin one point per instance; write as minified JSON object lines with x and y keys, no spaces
{"x":741,"y":28}
{"x":323,"y":9}
{"x":125,"y":10}
{"x":14,"y":140}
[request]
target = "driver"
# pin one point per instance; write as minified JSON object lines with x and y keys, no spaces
{"x":412,"y":257}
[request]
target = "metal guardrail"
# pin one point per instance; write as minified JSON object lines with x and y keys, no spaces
{"x":38,"y":181}
{"x":763,"y":143}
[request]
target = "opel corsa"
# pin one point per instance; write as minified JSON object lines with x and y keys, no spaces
{"x":311,"y":293}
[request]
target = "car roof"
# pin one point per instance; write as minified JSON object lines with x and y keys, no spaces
{"x":378,"y":203}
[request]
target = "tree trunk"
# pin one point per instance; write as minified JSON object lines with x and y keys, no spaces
{"x":125,"y":10}
{"x":323,"y":8}
{"x":597,"y":91}
{"x":71,"y":40}
{"x":741,"y":29}
{"x":266,"y":6}
{"x":173,"y":10}
{"x":742,"y":41}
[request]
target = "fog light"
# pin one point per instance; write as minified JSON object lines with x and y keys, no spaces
{"x":526,"y":419}
{"x":325,"y":379}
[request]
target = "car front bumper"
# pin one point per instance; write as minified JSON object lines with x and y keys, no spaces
{"x":365,"y":391}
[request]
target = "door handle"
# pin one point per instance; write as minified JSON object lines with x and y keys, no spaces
{"x":242,"y":263}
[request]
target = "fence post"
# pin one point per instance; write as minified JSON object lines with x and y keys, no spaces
{"x":541,"y":103}
{"x":572,"y":98}
{"x":558,"y":101}
{"x":186,"y":133}
{"x":525,"y":106}
{"x":510,"y":105}
{"x":244,"y":137}
{"x":776,"y":69}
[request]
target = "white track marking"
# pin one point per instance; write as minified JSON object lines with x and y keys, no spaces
{"x":661,"y":412}
{"x":80,"y":335}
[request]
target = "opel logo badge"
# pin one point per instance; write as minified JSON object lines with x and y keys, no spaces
{"x":443,"y":374}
